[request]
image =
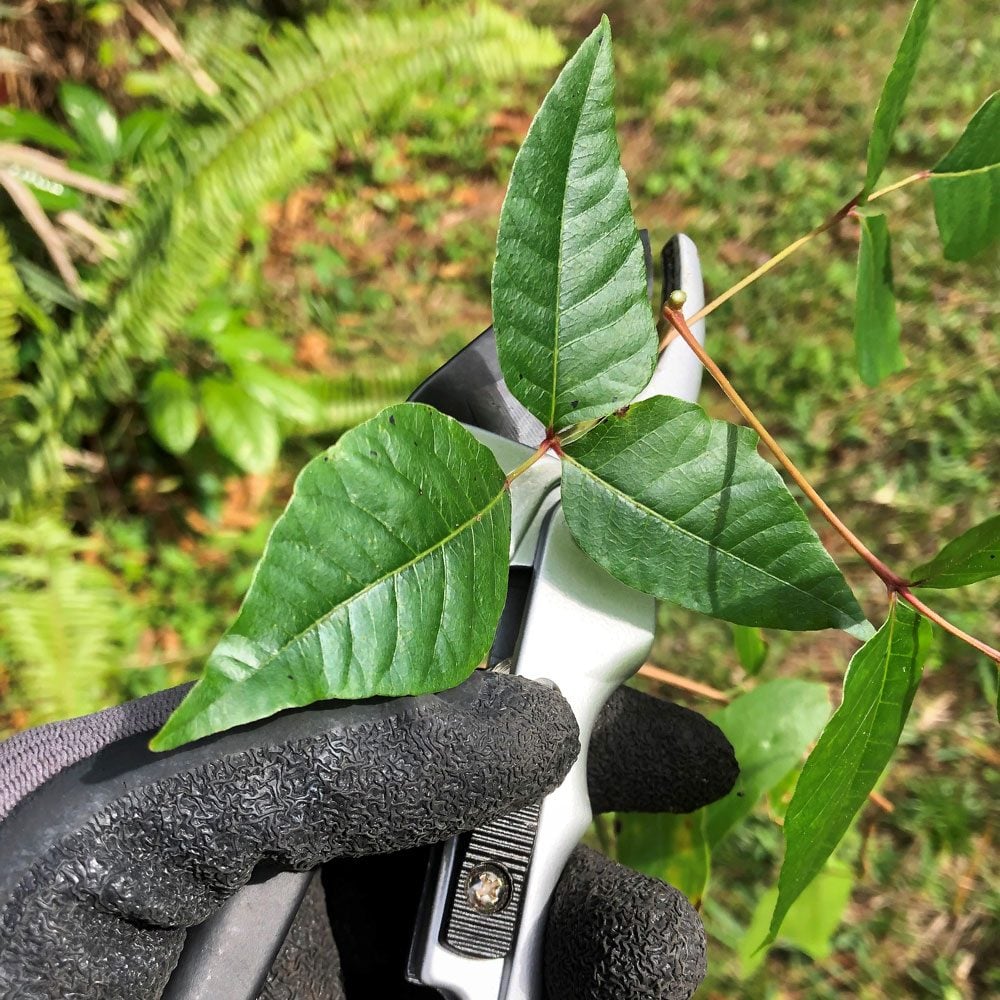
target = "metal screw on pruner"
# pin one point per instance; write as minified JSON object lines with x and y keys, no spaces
{"x":489,"y":888}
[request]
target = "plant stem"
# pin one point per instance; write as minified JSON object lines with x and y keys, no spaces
{"x":907,"y":595}
{"x":655,"y":673}
{"x":528,"y":462}
{"x":894,"y":583}
{"x":781,"y":255}
{"x":677,"y":321}
{"x":920,"y":175}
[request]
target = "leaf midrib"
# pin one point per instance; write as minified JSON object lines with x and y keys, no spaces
{"x":965,"y":173}
{"x":397,"y":571}
{"x":698,"y":538}
{"x":562,"y":236}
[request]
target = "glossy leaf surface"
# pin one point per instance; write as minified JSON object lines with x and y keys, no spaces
{"x":682,"y":507}
{"x":385,"y":575}
{"x":93,"y":120}
{"x":973,"y":556}
{"x":574,"y":327}
{"x":876,"y":326}
{"x":853,"y":750}
{"x":243,"y":430}
{"x":966,"y":186}
{"x":771,"y":728}
{"x":172,"y":411}
{"x":896,"y":87}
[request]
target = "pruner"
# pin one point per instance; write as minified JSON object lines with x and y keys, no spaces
{"x":566,"y":622}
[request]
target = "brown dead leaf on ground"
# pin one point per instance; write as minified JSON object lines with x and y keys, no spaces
{"x":312,"y":352}
{"x":197,"y":522}
{"x":245,"y":495}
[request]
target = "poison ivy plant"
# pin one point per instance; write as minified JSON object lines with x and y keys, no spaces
{"x":387,"y":572}
{"x":682,"y":507}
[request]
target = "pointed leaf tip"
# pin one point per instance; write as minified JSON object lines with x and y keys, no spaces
{"x":574,"y":328}
{"x":894,"y":91}
{"x":853,"y":750}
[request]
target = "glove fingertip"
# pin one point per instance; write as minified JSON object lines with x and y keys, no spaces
{"x":613,"y":933}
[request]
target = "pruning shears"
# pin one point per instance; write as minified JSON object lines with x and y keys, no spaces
{"x":480,"y":930}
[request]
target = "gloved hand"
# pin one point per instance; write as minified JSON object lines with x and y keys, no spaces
{"x":106,"y":864}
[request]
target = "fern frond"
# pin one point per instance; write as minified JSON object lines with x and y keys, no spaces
{"x":350,"y":400}
{"x":61,"y":620}
{"x":304,"y":92}
{"x":15,"y":474}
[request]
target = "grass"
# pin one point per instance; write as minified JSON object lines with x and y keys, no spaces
{"x":743,"y":123}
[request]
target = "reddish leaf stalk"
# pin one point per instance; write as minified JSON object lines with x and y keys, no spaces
{"x":772,"y":262}
{"x":894,"y":583}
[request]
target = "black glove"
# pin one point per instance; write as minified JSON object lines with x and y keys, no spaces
{"x":105,"y":865}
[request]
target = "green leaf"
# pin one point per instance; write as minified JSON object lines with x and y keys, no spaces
{"x":682,"y":507}
{"x":143,"y":132}
{"x":385,"y":575}
{"x":243,"y":430}
{"x":751,"y":648}
{"x":966,"y":186}
{"x":973,"y":556}
{"x":92,"y":120}
{"x":172,"y":411}
{"x":574,"y":327}
{"x":811,"y":921}
{"x":853,"y":751}
{"x":897,"y":85}
{"x":283,"y":395}
{"x":876,"y":327}
{"x":771,"y":728}
{"x":671,"y":848}
{"x":19,"y":125}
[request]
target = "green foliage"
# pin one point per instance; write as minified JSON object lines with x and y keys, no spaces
{"x":876,"y":326}
{"x":574,"y":329}
{"x":973,"y":556}
{"x":897,"y":85}
{"x":245,"y":432}
{"x":771,"y":728}
{"x":811,"y":921}
{"x":672,"y":848}
{"x":853,"y":750}
{"x":302,"y":93}
{"x":61,"y":619}
{"x":385,"y":575}
{"x":289,"y":97}
{"x":966,"y":186}
{"x":21,"y":125}
{"x":172,"y":410}
{"x":751,"y":648}
{"x":93,"y":121}
{"x":683,"y":507}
